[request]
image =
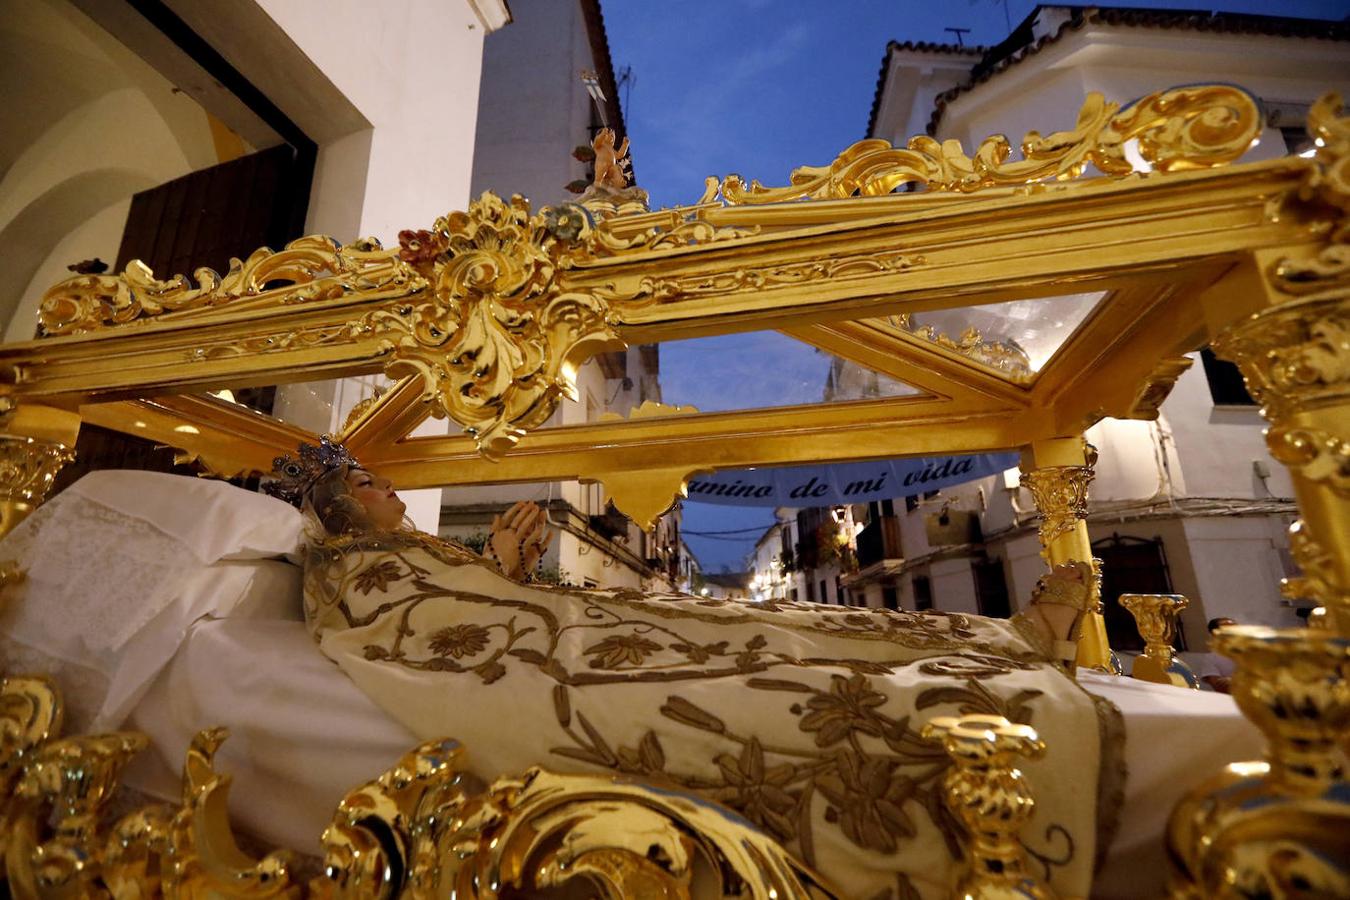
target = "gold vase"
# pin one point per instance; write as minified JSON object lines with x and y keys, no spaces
{"x":1279,"y":827}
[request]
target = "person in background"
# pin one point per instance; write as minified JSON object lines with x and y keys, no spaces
{"x":1218,"y":669}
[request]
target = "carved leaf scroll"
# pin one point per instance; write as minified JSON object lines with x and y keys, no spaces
{"x":1182,"y":128}
{"x":311,"y":268}
{"x":496,"y":341}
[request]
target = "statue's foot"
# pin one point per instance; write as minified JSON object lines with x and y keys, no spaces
{"x":1058,"y":606}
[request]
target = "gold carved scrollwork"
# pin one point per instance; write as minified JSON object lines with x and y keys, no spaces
{"x":495,"y":341}
{"x":69,"y":780}
{"x":1009,"y":359}
{"x":314,"y":267}
{"x":57,"y":840}
{"x":423,"y":829}
{"x":676,"y":230}
{"x":427,"y":820}
{"x":1182,"y":128}
{"x":1318,"y":581}
{"x":1158,"y":387}
{"x":204,"y":859}
{"x":1061,"y":496}
{"x":1281,"y":827}
{"x":990,"y":796}
{"x":1295,"y":359}
{"x":1328,"y":182}
{"x":761,"y":277}
{"x":28,"y":466}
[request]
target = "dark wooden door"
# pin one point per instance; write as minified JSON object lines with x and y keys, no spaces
{"x":1130,"y":565}
{"x":200,"y":220}
{"x":991,"y":589}
{"x":208,"y":216}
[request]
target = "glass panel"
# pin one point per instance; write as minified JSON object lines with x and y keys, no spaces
{"x":1016,"y":337}
{"x":322,"y":406}
{"x":755,"y":370}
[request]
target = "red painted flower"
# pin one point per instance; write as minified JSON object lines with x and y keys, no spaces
{"x":419,"y":246}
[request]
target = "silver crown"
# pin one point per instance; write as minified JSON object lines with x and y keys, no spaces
{"x":295,"y":475}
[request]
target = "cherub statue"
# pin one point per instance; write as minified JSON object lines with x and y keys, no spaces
{"x":611,"y":163}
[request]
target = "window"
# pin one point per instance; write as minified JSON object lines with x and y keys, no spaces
{"x":824,"y":593}
{"x":1226,"y":386}
{"x":810,"y":592}
{"x":890,"y":598}
{"x":923,"y":593}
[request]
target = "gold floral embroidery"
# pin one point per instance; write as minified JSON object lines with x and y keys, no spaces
{"x":867,"y":794}
{"x":614,"y":651}
{"x":459,"y":640}
{"x":849,"y":705}
{"x":852,"y":750}
{"x":761,"y":795}
{"x":872,"y":793}
{"x":378,"y":577}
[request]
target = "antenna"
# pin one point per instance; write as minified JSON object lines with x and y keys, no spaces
{"x":627,"y":78}
{"x":958,"y":32}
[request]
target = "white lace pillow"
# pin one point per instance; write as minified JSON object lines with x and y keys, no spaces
{"x":213,"y":519}
{"x":109,"y":595}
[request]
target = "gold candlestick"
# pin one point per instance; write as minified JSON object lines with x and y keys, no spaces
{"x":1155,"y":615}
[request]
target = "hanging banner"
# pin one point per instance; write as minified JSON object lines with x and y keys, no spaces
{"x":844,"y":483}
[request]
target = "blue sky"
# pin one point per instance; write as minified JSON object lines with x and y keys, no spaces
{"x":758,"y":87}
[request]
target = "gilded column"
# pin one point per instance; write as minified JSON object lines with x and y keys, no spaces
{"x":1295,"y":358}
{"x":1058,"y":472}
{"x":35,"y":442}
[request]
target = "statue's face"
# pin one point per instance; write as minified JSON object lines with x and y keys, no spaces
{"x":377,"y":496}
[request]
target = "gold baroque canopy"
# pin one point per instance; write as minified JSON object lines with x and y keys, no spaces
{"x":487,"y":315}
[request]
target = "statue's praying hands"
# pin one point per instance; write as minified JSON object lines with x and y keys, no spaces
{"x":518,"y":539}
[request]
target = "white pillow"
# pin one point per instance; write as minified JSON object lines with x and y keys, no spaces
{"x":122,"y":563}
{"x":275,"y":591}
{"x":214,"y":519}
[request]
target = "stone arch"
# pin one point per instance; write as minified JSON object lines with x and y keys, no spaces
{"x":31,"y":236}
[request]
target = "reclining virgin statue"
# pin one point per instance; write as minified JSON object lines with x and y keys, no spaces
{"x":804,"y":718}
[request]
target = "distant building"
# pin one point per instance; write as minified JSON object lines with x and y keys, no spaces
{"x":727,"y":586}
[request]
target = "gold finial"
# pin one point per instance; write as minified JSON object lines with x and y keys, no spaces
{"x":991,"y":797}
{"x":1279,"y":827}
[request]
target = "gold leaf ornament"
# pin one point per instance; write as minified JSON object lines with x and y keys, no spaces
{"x":314,"y":267}
{"x":1182,"y":128}
{"x":495,"y":342}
